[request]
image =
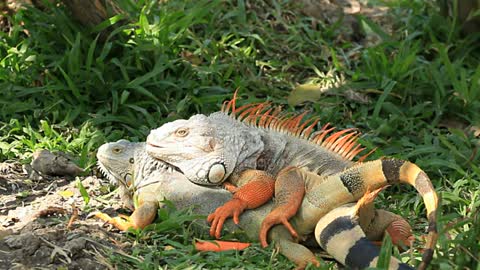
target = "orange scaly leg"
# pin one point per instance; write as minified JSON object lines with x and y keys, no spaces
{"x":218,"y":246}
{"x":289,"y":192}
{"x":255,"y":193}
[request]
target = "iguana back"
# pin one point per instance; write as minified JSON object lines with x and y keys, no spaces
{"x":254,"y":136}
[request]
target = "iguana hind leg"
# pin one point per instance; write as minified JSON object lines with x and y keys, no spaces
{"x":295,"y":252}
{"x":377,"y":222}
{"x":289,"y":192}
{"x":398,"y":229}
{"x":356,"y":251}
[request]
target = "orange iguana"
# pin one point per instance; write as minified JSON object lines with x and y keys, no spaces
{"x":344,"y":232}
{"x":264,"y":151}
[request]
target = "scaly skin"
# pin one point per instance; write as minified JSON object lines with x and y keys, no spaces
{"x":224,"y":145}
{"x":210,"y":150}
{"x":154,"y":182}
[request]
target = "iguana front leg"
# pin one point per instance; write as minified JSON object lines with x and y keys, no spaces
{"x":257,"y":191}
{"x":143,"y":215}
{"x":289,"y":190}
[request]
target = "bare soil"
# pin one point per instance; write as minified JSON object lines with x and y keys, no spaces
{"x":34,"y":218}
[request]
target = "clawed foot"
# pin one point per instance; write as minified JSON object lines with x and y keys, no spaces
{"x":401,"y":234}
{"x":121,"y":222}
{"x":275,"y":217}
{"x":367,"y":198}
{"x":313,"y":261}
{"x":232,"y":208}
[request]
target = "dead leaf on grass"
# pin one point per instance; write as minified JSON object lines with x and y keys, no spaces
{"x":66,"y":194}
{"x":475,"y":130}
{"x":73,"y":217}
{"x":191,"y":58}
{"x":305,"y":92}
{"x":313,"y":90}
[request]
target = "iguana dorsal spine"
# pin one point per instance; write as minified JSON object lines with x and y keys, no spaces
{"x":262,"y":115}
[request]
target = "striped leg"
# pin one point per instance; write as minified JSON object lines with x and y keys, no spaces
{"x":377,"y":222}
{"x":352,"y":183}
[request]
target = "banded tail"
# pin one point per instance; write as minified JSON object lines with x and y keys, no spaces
{"x":407,"y":172}
{"x":342,"y":237}
{"x":372,"y":175}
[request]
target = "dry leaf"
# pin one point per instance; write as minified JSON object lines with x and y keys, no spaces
{"x":66,"y":194}
{"x":304,"y":92}
{"x":169,"y":248}
{"x":190,"y":57}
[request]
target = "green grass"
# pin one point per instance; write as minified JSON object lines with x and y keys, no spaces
{"x":66,"y":87}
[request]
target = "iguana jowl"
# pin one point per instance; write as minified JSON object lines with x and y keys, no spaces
{"x":210,"y":149}
{"x":152,"y":181}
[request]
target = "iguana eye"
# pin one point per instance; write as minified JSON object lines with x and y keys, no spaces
{"x":181,"y":132}
{"x":117,"y":150}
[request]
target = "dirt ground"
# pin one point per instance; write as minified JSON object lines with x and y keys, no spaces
{"x":34,"y":218}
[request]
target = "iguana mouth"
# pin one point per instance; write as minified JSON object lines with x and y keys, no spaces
{"x":109,"y":174}
{"x":154,"y":145}
{"x":169,"y":166}
{"x":172,"y":167}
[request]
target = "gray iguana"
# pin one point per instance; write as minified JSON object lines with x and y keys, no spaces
{"x":338,"y":232}
{"x":286,"y":158}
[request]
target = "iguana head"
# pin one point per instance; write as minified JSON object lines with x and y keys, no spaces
{"x":205,"y":149}
{"x":116,"y":161}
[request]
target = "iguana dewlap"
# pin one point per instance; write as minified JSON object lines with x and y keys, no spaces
{"x":154,"y":181}
{"x":224,"y":145}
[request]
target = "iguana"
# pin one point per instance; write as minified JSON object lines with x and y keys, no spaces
{"x":287,"y":158}
{"x":151,"y":181}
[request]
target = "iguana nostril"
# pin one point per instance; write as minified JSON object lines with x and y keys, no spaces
{"x":216,"y":173}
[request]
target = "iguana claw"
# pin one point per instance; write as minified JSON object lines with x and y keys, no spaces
{"x":120,"y":223}
{"x":275,"y":217}
{"x":258,"y":190}
{"x":401,"y":234}
{"x":232,"y":208}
